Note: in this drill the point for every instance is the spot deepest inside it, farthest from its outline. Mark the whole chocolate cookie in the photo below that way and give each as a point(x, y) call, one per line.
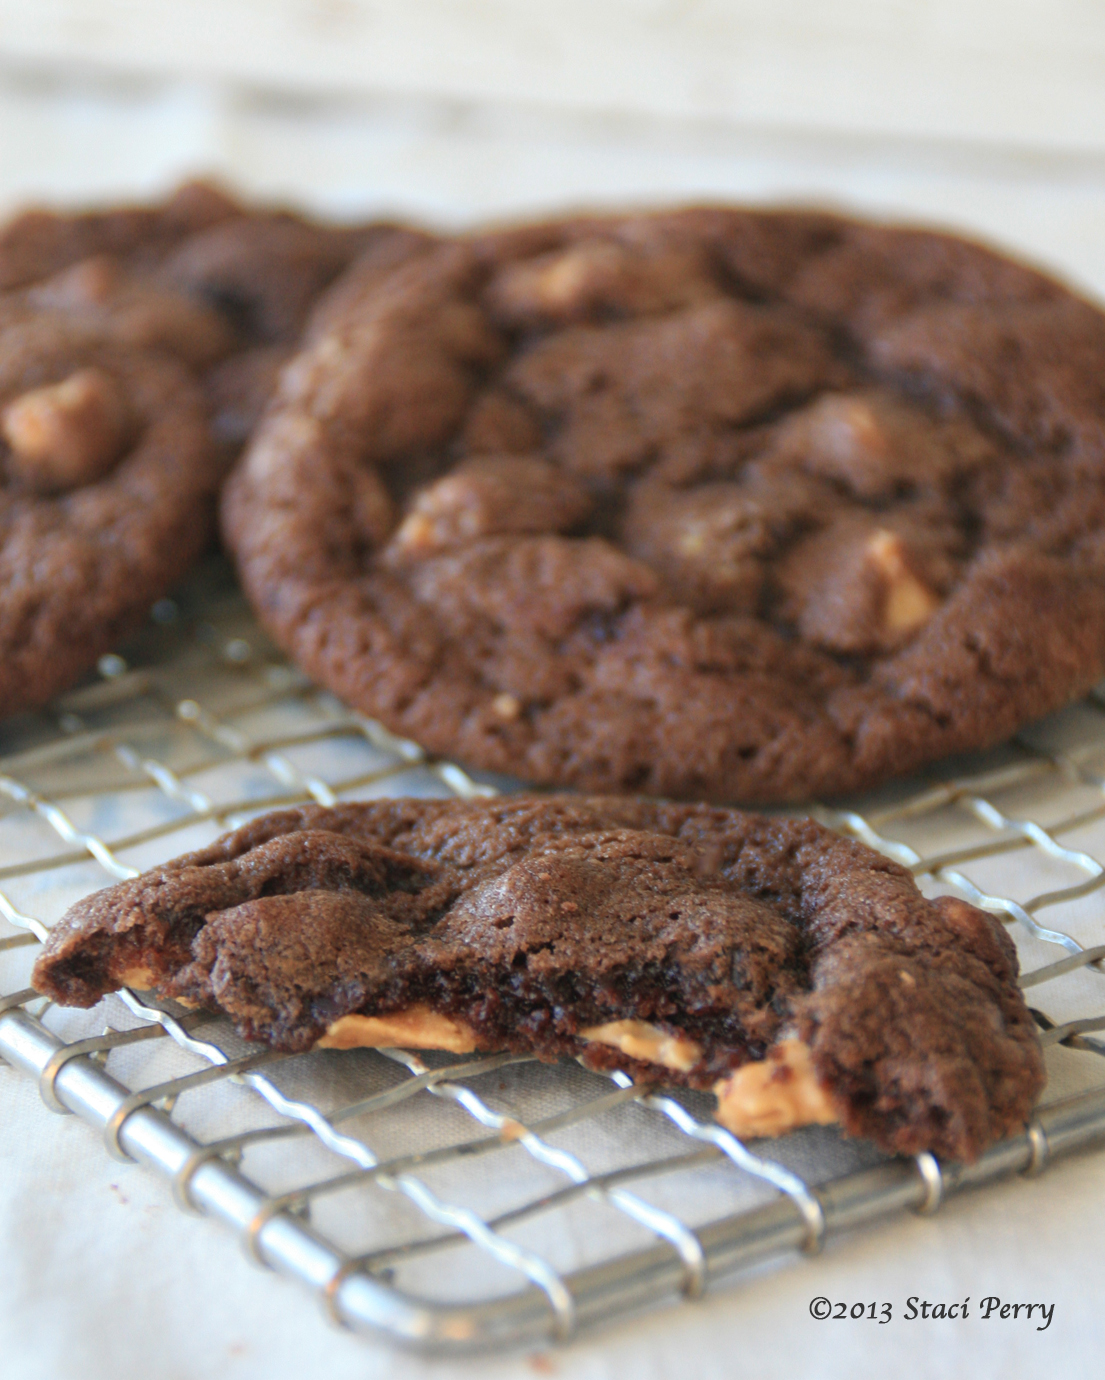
point(107, 496)
point(717, 504)
point(798, 974)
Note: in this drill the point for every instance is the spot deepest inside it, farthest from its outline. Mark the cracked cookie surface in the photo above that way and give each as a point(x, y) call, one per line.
point(713, 504)
point(799, 974)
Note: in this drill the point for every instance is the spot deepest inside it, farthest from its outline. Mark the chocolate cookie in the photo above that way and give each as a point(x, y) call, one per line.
point(38, 242)
point(260, 269)
point(107, 496)
point(203, 276)
point(798, 974)
point(715, 504)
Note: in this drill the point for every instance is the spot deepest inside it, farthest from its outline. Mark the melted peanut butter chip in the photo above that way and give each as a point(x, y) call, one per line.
point(775, 1094)
point(140, 976)
point(415, 1027)
point(640, 1040)
point(66, 434)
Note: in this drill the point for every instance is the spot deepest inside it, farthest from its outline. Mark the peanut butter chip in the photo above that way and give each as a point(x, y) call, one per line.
point(65, 434)
point(416, 534)
point(486, 496)
point(507, 706)
point(907, 603)
point(555, 283)
point(558, 284)
point(857, 426)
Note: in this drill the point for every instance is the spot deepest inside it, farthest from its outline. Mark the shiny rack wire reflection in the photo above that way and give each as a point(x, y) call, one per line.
point(452, 1204)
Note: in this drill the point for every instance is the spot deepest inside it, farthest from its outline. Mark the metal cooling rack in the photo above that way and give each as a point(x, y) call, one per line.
point(454, 1204)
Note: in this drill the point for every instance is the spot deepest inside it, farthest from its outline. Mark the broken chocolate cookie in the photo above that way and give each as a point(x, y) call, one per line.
point(796, 973)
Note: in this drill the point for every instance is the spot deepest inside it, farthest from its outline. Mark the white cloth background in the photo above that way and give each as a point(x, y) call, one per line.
point(983, 117)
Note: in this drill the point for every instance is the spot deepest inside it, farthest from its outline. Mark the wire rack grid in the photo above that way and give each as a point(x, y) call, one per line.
point(453, 1204)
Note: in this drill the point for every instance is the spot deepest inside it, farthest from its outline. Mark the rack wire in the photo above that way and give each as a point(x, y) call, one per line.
point(451, 1204)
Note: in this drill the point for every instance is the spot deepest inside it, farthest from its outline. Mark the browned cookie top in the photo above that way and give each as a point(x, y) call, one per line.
point(550, 925)
point(716, 503)
point(107, 487)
